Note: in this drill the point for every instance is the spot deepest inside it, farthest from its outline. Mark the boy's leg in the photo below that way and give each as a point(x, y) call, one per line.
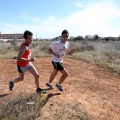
point(33, 71)
point(36, 75)
point(64, 76)
point(54, 73)
point(20, 78)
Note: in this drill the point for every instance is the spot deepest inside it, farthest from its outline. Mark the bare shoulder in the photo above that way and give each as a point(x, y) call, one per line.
point(23, 48)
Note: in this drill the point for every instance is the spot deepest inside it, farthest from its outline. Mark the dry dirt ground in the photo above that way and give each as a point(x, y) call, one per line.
point(90, 92)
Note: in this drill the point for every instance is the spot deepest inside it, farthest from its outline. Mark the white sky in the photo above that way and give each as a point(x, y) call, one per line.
point(88, 18)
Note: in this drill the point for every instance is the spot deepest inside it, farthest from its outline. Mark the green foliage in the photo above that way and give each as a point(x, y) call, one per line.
point(78, 38)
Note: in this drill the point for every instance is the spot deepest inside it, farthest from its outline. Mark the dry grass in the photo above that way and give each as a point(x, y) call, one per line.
point(103, 54)
point(8, 50)
point(16, 107)
point(100, 53)
point(40, 49)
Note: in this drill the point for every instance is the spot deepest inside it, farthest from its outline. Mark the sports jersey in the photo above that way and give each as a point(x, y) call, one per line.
point(26, 55)
point(59, 48)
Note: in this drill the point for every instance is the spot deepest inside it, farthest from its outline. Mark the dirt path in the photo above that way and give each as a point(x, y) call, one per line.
point(89, 90)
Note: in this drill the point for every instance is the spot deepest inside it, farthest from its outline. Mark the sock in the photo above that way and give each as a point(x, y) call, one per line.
point(58, 84)
point(38, 88)
point(49, 83)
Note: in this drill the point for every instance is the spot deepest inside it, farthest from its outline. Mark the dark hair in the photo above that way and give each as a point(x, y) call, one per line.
point(65, 32)
point(26, 33)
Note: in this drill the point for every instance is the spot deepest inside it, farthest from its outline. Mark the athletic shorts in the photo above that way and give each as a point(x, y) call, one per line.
point(22, 69)
point(58, 66)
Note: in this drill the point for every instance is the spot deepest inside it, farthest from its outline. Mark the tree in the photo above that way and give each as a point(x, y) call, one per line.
point(119, 38)
point(78, 38)
point(95, 37)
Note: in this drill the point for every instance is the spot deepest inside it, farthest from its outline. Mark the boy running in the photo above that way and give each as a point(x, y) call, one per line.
point(24, 62)
point(58, 51)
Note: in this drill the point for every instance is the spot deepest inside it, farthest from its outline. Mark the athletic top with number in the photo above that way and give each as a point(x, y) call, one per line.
point(59, 48)
point(26, 55)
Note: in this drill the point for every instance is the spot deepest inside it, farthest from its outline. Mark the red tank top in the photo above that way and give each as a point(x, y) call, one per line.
point(26, 55)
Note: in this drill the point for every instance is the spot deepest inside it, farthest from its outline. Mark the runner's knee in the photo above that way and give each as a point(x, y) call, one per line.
point(55, 73)
point(66, 74)
point(37, 76)
point(21, 78)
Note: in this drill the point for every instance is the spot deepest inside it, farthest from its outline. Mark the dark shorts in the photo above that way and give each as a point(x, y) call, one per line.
point(58, 66)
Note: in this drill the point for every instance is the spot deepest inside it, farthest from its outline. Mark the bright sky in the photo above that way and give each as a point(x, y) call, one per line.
point(47, 18)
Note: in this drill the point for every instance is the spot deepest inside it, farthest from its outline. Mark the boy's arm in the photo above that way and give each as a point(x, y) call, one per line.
point(69, 51)
point(51, 52)
point(21, 52)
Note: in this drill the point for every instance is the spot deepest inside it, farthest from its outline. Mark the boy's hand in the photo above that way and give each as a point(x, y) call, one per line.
point(73, 50)
point(33, 59)
point(57, 55)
